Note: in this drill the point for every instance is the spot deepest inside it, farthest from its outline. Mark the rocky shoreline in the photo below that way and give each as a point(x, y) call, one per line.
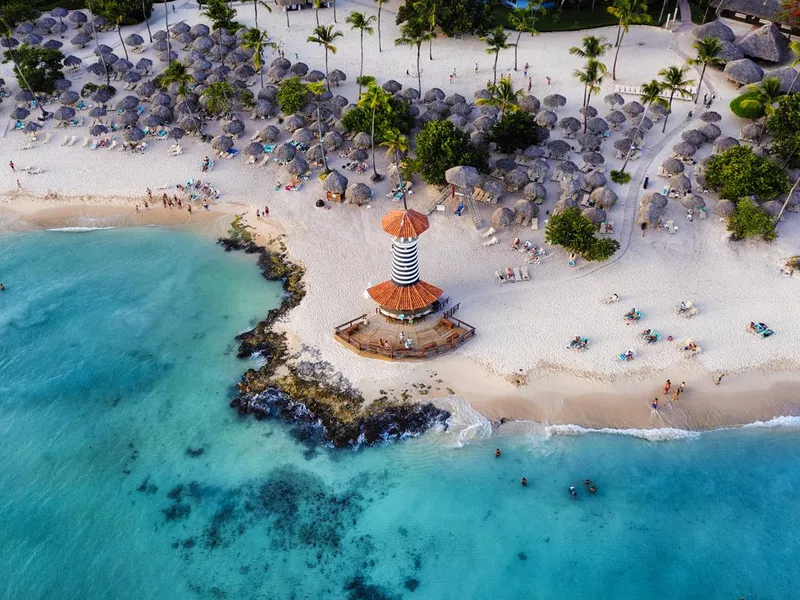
point(321, 411)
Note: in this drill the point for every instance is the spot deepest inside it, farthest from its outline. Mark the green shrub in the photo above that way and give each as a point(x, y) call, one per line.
point(129, 10)
point(784, 127)
point(454, 16)
point(516, 130)
point(575, 233)
point(747, 112)
point(739, 172)
point(41, 67)
point(620, 177)
point(292, 95)
point(440, 146)
point(749, 220)
point(398, 116)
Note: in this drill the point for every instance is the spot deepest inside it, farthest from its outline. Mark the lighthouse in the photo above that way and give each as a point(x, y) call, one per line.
point(405, 295)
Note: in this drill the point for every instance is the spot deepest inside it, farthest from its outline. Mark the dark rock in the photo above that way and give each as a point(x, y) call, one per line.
point(412, 584)
point(195, 452)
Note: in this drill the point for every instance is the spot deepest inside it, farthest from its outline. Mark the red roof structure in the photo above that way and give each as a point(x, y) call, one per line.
point(408, 298)
point(404, 223)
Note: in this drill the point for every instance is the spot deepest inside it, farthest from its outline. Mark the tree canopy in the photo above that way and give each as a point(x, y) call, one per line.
point(455, 16)
point(14, 12)
point(744, 109)
point(394, 115)
point(292, 95)
point(749, 220)
point(739, 172)
point(784, 127)
point(40, 67)
point(514, 131)
point(130, 11)
point(575, 233)
point(440, 146)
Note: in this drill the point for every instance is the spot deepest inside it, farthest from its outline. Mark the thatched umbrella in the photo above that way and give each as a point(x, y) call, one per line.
point(681, 184)
point(645, 124)
point(516, 180)
point(458, 121)
point(392, 86)
point(632, 108)
point(673, 166)
point(563, 204)
point(191, 124)
point(529, 104)
point(684, 149)
point(596, 125)
point(570, 188)
point(254, 149)
point(409, 94)
point(588, 112)
point(589, 142)
point(484, 123)
point(567, 168)
point(314, 76)
point(766, 43)
point(134, 134)
point(559, 149)
point(268, 92)
point(710, 116)
point(303, 136)
point(64, 113)
point(98, 112)
point(724, 208)
point(535, 192)
point(222, 143)
point(362, 140)
point(525, 211)
point(616, 118)
point(176, 133)
point(729, 52)
point(490, 111)
point(710, 131)
point(539, 169)
point(692, 202)
point(655, 199)
point(199, 29)
point(502, 217)
point(694, 137)
point(723, 144)
point(358, 193)
point(463, 177)
point(297, 166)
point(72, 61)
point(714, 29)
point(314, 153)
point(614, 100)
point(454, 99)
point(594, 180)
point(433, 94)
point(80, 40)
point(333, 140)
point(533, 152)
point(24, 96)
point(772, 207)
point(53, 45)
point(623, 145)
point(262, 109)
point(69, 97)
point(336, 77)
point(650, 214)
point(547, 119)
point(595, 215)
point(569, 124)
point(603, 197)
point(593, 158)
point(285, 152)
point(493, 186)
point(203, 43)
point(293, 123)
point(461, 110)
point(276, 74)
point(482, 94)
point(743, 71)
point(20, 114)
point(440, 107)
point(790, 82)
point(636, 137)
point(233, 127)
point(358, 154)
point(554, 101)
point(751, 131)
point(505, 164)
point(335, 183)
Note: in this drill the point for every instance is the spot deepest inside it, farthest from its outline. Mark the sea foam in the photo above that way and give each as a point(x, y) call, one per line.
point(654, 435)
point(79, 229)
point(465, 423)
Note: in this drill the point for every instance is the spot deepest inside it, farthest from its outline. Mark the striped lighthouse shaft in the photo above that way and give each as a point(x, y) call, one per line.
point(405, 262)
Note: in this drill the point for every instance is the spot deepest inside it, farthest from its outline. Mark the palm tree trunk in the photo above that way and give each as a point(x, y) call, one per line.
point(785, 202)
point(616, 56)
point(169, 45)
point(700, 83)
point(519, 35)
point(661, 14)
point(494, 68)
point(334, 11)
point(316, 13)
point(419, 74)
point(374, 108)
point(619, 31)
point(761, 133)
point(286, 10)
point(146, 22)
point(261, 73)
point(635, 135)
point(430, 49)
point(119, 32)
point(584, 98)
point(380, 7)
point(666, 117)
point(361, 69)
point(321, 145)
point(18, 71)
point(327, 80)
point(592, 5)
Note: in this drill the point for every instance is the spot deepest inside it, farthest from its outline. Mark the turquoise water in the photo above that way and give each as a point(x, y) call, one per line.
point(125, 474)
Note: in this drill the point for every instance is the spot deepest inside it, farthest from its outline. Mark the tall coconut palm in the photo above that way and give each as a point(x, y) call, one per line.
point(426, 13)
point(363, 24)
point(176, 73)
point(316, 89)
point(220, 97)
point(324, 35)
point(651, 94)
point(397, 147)
point(147, 21)
point(118, 21)
point(795, 47)
point(708, 50)
point(590, 77)
point(166, 28)
point(256, 4)
point(592, 47)
point(317, 5)
point(496, 40)
point(374, 98)
point(764, 95)
point(673, 80)
point(522, 20)
point(219, 12)
point(501, 95)
point(380, 8)
point(413, 34)
point(258, 41)
point(629, 12)
point(285, 4)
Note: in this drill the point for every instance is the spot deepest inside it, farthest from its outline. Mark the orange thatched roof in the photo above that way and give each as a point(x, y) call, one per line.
point(404, 223)
point(404, 297)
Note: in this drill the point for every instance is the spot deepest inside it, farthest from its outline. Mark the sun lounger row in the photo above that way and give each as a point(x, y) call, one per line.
point(512, 275)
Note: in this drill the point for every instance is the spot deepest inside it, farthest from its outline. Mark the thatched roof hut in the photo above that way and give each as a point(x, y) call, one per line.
point(358, 193)
point(743, 71)
point(673, 166)
point(714, 29)
point(464, 177)
point(559, 149)
point(724, 208)
point(392, 86)
point(651, 209)
point(535, 192)
point(766, 43)
point(516, 180)
point(530, 104)
point(525, 211)
point(681, 184)
point(772, 207)
point(692, 202)
point(335, 185)
point(604, 197)
point(595, 215)
point(790, 82)
point(729, 52)
point(502, 217)
point(723, 144)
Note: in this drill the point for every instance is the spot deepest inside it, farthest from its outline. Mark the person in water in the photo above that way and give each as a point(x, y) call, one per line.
point(573, 493)
point(497, 452)
point(590, 486)
point(2, 288)
point(524, 482)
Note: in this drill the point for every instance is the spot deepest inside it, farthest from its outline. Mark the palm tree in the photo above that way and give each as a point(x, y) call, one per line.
point(496, 40)
point(257, 41)
point(380, 8)
point(166, 26)
point(359, 21)
point(118, 20)
point(522, 20)
point(651, 94)
point(334, 11)
point(397, 147)
point(316, 89)
point(592, 47)
point(591, 78)
point(285, 4)
point(708, 50)
point(672, 81)
point(97, 46)
point(317, 5)
point(324, 35)
point(218, 12)
point(413, 33)
point(372, 99)
point(17, 71)
point(146, 21)
point(256, 4)
point(426, 13)
point(764, 95)
point(176, 73)
point(629, 12)
point(795, 47)
point(219, 96)
point(502, 95)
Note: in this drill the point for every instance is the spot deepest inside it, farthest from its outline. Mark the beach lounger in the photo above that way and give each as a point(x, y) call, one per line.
point(518, 274)
point(489, 242)
point(670, 226)
point(85, 142)
point(65, 140)
point(264, 161)
point(523, 271)
point(72, 140)
point(535, 223)
point(488, 233)
point(47, 138)
point(112, 145)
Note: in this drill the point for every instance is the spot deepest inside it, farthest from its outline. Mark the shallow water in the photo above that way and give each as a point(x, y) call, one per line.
point(126, 475)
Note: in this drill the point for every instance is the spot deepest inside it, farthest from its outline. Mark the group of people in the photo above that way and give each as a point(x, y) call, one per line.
point(590, 486)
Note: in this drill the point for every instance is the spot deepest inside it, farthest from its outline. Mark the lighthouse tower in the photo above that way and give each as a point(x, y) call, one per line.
point(405, 295)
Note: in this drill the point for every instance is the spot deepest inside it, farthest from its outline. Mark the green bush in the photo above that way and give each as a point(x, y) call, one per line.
point(784, 127)
point(398, 116)
point(575, 233)
point(292, 95)
point(516, 130)
point(440, 146)
point(620, 177)
point(749, 220)
point(41, 67)
point(129, 10)
point(747, 112)
point(739, 172)
point(14, 12)
point(454, 16)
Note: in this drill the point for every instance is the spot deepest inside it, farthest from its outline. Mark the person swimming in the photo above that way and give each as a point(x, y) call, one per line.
point(2, 288)
point(524, 482)
point(590, 486)
point(573, 493)
point(497, 452)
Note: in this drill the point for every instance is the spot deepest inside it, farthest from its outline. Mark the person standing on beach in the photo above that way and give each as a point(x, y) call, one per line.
point(667, 386)
point(149, 194)
point(682, 386)
point(655, 404)
point(19, 185)
point(530, 84)
point(13, 167)
point(644, 227)
point(266, 211)
point(476, 67)
point(525, 72)
point(189, 208)
point(548, 79)
point(719, 379)
point(676, 395)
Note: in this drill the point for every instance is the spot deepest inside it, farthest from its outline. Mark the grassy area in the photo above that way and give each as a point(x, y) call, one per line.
point(572, 19)
point(45, 5)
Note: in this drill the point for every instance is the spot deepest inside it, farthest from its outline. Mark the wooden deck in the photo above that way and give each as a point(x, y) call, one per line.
point(381, 337)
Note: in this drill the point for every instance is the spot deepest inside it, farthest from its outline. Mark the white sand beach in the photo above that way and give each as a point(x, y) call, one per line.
point(518, 365)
